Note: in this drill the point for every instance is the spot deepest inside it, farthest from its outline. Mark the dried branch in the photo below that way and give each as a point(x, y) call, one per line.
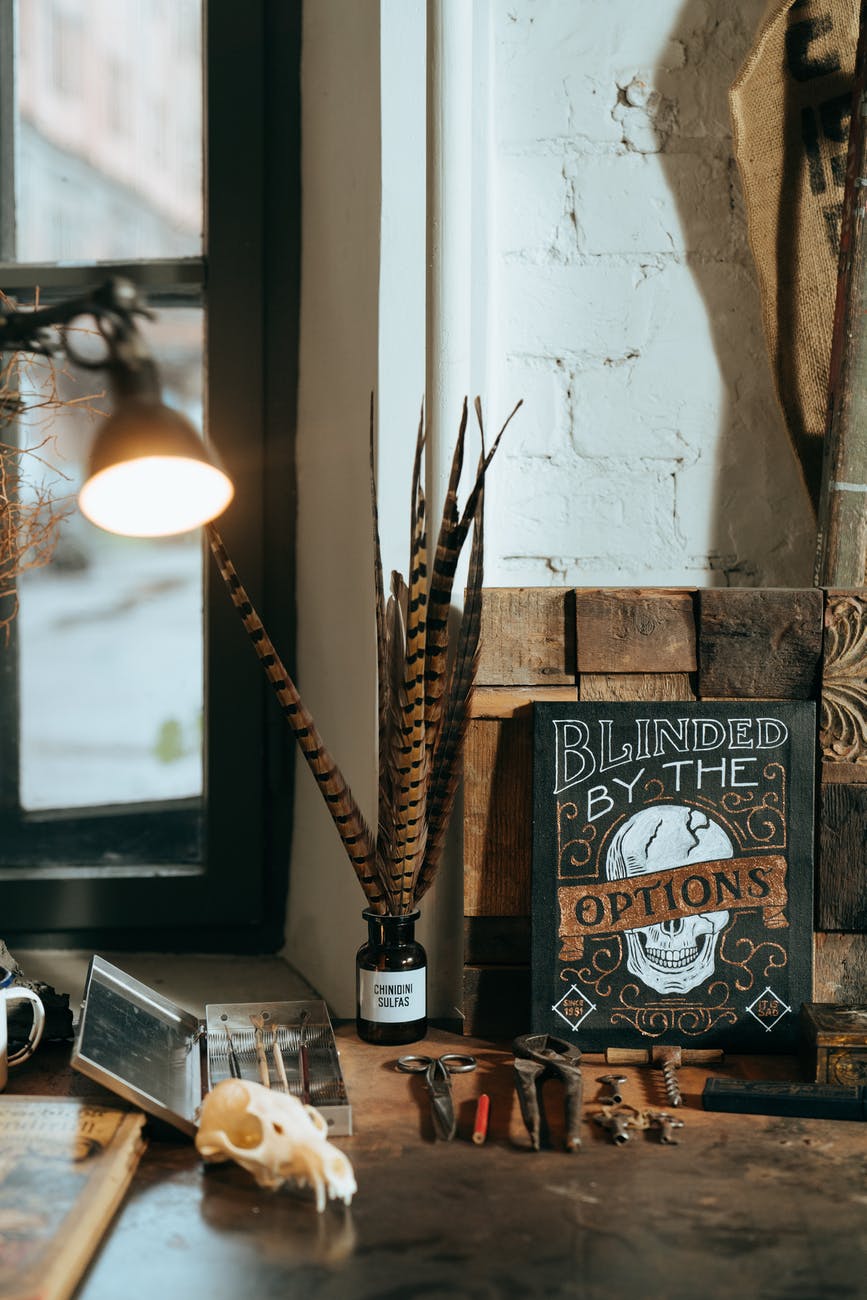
point(34, 496)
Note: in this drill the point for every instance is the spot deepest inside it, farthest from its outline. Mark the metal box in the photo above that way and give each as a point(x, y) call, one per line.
point(834, 1043)
point(161, 1058)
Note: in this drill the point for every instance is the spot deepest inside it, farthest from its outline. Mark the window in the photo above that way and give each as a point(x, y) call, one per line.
point(66, 41)
point(144, 773)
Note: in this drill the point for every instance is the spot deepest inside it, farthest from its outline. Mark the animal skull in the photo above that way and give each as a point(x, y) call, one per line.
point(672, 956)
point(275, 1137)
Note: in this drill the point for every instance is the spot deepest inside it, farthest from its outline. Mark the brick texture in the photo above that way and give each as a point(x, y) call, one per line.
point(650, 450)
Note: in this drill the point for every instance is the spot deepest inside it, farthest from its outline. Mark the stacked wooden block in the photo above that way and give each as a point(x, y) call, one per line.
point(657, 644)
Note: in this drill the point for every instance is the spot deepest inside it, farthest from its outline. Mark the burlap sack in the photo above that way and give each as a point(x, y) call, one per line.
point(790, 110)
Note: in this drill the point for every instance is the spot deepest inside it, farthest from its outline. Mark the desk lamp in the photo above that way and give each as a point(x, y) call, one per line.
point(149, 474)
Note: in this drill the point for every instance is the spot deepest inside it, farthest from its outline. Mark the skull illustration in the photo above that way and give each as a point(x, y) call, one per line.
point(275, 1138)
point(673, 956)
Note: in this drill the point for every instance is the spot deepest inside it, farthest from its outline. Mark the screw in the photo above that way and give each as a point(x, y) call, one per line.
point(666, 1124)
point(672, 1088)
point(613, 1082)
point(669, 1059)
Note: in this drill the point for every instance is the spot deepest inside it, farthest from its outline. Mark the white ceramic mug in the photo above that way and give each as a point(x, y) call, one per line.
point(9, 997)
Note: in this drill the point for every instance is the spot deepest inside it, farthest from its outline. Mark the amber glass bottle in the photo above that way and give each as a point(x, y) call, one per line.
point(391, 981)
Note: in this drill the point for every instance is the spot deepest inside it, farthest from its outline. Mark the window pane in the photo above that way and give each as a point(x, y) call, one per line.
point(109, 162)
point(110, 633)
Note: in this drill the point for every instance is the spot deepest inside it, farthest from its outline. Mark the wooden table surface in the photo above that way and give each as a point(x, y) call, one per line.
point(745, 1206)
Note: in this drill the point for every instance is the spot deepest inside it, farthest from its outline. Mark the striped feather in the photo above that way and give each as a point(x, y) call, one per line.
point(470, 507)
point(445, 771)
point(351, 826)
point(410, 796)
point(452, 535)
point(421, 724)
point(445, 563)
point(390, 780)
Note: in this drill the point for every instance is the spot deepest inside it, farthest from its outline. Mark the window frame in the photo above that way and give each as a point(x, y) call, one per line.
point(248, 281)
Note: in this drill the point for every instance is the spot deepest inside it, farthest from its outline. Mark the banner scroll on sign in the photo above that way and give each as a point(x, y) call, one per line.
point(663, 896)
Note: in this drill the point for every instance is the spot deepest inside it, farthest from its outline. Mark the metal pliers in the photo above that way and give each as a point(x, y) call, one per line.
point(539, 1057)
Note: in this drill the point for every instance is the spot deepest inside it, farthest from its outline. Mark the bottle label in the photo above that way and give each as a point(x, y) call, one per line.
point(390, 996)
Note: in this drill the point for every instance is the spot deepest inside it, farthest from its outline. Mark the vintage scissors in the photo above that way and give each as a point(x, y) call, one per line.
point(437, 1071)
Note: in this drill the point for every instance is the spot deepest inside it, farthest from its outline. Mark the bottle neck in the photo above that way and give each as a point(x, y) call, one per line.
point(385, 931)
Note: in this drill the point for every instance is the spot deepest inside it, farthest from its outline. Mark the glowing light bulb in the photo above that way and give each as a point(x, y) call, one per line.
point(155, 496)
point(151, 475)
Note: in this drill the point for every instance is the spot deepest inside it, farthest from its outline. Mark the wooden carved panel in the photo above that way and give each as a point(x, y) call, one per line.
point(843, 721)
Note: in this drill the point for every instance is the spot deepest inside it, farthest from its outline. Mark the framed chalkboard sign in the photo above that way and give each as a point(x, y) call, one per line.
point(673, 873)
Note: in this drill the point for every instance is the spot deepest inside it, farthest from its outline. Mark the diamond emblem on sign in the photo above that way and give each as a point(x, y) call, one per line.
point(573, 1007)
point(768, 1009)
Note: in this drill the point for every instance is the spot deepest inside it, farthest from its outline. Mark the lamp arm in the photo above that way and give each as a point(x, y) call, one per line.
point(145, 452)
point(114, 307)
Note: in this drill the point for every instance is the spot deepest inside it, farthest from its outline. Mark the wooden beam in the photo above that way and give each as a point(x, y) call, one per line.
point(841, 898)
point(610, 687)
point(759, 643)
point(527, 637)
point(841, 553)
point(496, 1001)
point(509, 701)
point(498, 816)
point(497, 939)
point(642, 630)
point(839, 968)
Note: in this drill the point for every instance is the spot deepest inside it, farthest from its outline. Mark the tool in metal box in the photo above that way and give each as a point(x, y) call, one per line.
point(163, 1059)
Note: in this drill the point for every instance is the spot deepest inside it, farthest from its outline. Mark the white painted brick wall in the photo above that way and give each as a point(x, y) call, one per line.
point(622, 308)
point(650, 449)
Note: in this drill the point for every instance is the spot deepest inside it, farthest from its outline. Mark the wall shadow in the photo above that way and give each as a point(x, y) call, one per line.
point(762, 529)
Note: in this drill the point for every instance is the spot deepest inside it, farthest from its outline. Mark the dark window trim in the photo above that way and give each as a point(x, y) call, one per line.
point(166, 281)
point(251, 282)
point(8, 99)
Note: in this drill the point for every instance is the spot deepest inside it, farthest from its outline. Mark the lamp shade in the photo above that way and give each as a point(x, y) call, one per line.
point(150, 474)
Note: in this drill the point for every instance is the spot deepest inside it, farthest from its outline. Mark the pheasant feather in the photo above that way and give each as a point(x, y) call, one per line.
point(351, 826)
point(410, 795)
point(394, 655)
point(452, 535)
point(439, 603)
point(422, 704)
point(444, 777)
